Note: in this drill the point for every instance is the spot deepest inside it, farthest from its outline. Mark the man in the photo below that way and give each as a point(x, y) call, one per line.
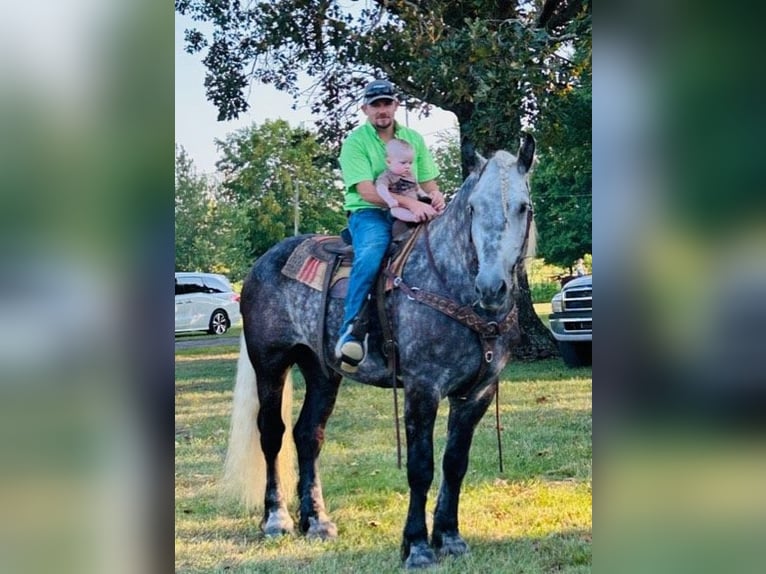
point(580, 267)
point(362, 159)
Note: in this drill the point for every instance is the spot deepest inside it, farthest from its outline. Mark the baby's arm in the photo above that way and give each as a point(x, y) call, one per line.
point(381, 185)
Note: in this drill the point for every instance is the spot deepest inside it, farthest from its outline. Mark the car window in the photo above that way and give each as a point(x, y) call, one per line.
point(189, 285)
point(216, 285)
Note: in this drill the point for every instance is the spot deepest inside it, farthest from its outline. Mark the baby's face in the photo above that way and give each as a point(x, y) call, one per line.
point(400, 165)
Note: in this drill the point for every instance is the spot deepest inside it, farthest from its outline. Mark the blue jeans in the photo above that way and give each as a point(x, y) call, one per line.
point(370, 235)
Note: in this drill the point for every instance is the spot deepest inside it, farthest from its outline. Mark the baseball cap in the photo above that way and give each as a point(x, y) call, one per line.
point(379, 90)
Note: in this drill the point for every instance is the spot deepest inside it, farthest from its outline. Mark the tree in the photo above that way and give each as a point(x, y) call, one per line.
point(492, 63)
point(486, 61)
point(563, 178)
point(205, 224)
point(194, 248)
point(265, 169)
point(447, 157)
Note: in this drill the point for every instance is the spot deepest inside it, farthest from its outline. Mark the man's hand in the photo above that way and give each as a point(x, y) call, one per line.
point(437, 200)
point(432, 189)
point(421, 211)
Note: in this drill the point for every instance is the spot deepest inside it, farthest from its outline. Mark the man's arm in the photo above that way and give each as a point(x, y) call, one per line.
point(421, 211)
point(368, 192)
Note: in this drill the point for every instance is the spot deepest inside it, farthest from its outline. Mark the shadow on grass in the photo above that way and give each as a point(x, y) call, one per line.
point(552, 369)
point(564, 551)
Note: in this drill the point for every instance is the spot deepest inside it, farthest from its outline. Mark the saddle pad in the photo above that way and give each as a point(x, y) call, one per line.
point(308, 262)
point(304, 266)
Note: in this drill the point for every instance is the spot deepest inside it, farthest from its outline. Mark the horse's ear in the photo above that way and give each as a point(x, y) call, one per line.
point(471, 159)
point(480, 161)
point(526, 153)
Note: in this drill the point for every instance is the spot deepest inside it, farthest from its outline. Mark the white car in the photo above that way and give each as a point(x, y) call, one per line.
point(205, 302)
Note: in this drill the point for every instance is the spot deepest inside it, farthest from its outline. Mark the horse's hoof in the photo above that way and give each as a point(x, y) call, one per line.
point(321, 529)
point(278, 524)
point(452, 545)
point(421, 556)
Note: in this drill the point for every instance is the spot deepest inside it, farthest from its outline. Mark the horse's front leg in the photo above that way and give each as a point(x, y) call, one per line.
point(419, 414)
point(321, 394)
point(463, 417)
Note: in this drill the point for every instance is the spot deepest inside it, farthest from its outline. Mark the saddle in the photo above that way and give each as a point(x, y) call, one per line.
point(321, 262)
point(324, 264)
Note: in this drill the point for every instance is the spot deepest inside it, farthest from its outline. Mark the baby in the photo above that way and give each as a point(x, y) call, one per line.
point(397, 179)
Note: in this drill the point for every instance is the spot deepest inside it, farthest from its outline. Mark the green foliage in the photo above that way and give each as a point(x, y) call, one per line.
point(264, 169)
point(206, 225)
point(491, 63)
point(446, 154)
point(195, 218)
point(543, 292)
point(541, 271)
point(562, 180)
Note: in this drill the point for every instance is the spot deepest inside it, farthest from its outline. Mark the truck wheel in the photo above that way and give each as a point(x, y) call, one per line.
point(576, 354)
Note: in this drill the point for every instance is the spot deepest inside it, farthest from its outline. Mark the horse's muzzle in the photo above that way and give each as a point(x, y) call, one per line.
point(493, 295)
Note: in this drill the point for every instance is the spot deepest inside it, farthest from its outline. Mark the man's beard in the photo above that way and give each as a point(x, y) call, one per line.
point(379, 123)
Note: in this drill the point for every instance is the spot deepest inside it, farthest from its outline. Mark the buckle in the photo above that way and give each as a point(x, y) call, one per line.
point(413, 289)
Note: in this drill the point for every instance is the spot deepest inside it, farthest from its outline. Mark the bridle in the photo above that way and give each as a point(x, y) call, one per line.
point(506, 222)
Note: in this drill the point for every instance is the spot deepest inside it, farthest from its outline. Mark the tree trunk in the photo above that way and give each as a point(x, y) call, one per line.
point(536, 339)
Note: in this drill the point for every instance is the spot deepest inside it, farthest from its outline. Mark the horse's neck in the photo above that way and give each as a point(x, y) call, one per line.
point(452, 253)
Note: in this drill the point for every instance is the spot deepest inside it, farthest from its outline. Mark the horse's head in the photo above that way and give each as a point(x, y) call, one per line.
point(501, 217)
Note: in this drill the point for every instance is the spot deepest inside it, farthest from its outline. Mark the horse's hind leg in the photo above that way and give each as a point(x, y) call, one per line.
point(321, 393)
point(463, 417)
point(271, 383)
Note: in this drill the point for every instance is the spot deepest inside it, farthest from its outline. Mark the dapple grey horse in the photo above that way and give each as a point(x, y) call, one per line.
point(465, 261)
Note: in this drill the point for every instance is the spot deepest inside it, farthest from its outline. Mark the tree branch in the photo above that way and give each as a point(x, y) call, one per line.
point(555, 13)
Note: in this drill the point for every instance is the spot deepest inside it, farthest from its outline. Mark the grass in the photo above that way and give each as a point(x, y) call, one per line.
point(534, 517)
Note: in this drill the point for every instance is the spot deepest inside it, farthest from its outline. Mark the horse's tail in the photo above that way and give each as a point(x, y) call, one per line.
point(245, 468)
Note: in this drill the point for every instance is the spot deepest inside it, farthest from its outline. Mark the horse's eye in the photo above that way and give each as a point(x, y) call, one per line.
point(523, 208)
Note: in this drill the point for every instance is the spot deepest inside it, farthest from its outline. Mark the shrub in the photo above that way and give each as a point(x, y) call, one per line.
point(543, 292)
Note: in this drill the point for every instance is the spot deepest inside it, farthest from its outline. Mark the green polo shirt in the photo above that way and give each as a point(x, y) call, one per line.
point(363, 158)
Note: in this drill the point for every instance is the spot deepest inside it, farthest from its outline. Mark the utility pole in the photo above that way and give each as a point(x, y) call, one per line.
point(296, 207)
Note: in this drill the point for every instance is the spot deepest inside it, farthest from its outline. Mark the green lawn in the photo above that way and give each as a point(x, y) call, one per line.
point(534, 517)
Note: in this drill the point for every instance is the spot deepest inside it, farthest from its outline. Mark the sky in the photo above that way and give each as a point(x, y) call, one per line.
point(195, 117)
